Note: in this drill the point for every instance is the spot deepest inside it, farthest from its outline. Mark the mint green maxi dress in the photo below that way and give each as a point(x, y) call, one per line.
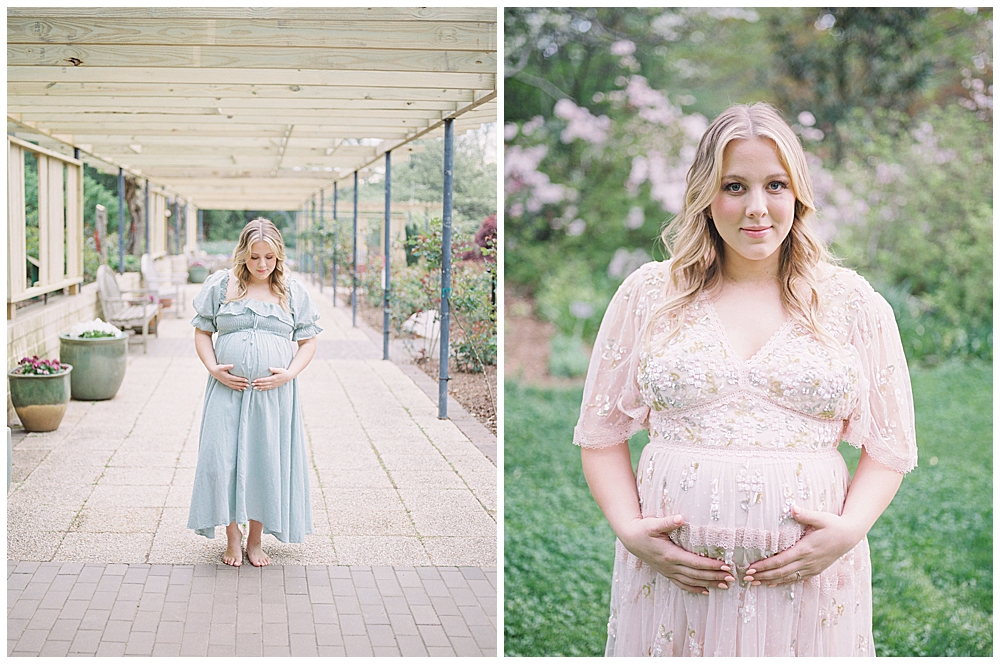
point(252, 454)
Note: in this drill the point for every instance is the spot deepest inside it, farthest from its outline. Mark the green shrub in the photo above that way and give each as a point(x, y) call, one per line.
point(567, 357)
point(924, 235)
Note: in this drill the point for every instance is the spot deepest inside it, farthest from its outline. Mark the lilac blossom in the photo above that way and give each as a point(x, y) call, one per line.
point(623, 47)
point(653, 105)
point(582, 124)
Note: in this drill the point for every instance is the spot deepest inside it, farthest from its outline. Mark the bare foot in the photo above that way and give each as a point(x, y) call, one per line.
point(234, 546)
point(256, 554)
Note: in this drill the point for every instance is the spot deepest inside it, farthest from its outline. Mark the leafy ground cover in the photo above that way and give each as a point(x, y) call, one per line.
point(932, 550)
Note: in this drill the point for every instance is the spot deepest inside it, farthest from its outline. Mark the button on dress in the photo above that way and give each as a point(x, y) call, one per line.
point(252, 460)
point(733, 444)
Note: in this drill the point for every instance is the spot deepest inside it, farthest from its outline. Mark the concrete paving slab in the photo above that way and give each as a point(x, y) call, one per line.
point(122, 520)
point(372, 550)
point(104, 547)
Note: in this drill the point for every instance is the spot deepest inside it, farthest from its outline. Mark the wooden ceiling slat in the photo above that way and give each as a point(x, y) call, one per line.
point(269, 33)
point(363, 117)
point(243, 57)
point(475, 14)
point(273, 93)
point(66, 73)
point(29, 103)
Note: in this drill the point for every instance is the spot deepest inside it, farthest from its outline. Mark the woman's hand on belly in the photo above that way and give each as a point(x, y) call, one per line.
point(221, 373)
point(278, 377)
point(827, 538)
point(647, 539)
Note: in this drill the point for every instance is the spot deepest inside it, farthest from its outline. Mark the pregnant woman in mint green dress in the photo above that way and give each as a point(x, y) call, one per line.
point(252, 462)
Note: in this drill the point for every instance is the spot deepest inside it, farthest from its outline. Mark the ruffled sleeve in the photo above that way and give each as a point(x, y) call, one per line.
point(613, 409)
point(207, 301)
point(883, 421)
point(304, 312)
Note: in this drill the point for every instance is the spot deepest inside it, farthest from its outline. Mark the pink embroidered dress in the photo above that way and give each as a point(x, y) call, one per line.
point(733, 444)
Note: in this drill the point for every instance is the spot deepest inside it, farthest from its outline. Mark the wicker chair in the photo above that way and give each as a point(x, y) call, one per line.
point(171, 288)
point(131, 313)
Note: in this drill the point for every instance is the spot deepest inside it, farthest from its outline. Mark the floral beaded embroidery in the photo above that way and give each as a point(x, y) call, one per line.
point(689, 476)
point(752, 488)
point(613, 352)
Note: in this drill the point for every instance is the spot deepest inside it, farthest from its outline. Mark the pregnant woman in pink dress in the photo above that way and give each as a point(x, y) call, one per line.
point(748, 356)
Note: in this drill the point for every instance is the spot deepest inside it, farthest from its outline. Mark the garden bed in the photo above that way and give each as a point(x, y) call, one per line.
point(471, 390)
point(477, 392)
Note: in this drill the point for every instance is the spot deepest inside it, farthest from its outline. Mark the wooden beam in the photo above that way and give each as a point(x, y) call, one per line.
point(66, 73)
point(239, 57)
point(50, 116)
point(45, 151)
point(475, 14)
point(219, 91)
point(269, 33)
point(123, 128)
point(30, 103)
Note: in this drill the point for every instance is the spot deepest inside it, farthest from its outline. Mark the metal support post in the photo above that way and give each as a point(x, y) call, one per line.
point(201, 226)
point(146, 230)
point(334, 265)
point(354, 259)
point(121, 221)
point(319, 240)
point(385, 286)
point(449, 157)
point(312, 242)
point(177, 226)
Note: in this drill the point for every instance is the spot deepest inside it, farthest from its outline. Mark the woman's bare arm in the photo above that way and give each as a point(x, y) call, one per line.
point(206, 352)
point(611, 480)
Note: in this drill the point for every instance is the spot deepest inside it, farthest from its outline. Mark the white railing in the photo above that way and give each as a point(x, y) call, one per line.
point(60, 224)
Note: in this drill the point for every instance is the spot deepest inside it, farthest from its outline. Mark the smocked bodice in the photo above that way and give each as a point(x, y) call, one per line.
point(795, 392)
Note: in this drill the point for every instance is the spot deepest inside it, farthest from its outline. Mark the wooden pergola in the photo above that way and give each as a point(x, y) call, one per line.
point(229, 108)
point(237, 108)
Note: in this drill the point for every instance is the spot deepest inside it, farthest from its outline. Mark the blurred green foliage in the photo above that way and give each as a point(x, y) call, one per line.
point(894, 107)
point(932, 552)
point(417, 287)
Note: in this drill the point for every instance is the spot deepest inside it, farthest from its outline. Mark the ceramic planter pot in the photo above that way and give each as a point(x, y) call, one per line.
point(98, 365)
point(40, 401)
point(197, 274)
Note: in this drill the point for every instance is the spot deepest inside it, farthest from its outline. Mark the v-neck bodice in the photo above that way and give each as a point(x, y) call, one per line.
point(713, 314)
point(793, 391)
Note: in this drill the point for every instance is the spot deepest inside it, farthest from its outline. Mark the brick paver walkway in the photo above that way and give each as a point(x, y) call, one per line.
point(59, 609)
point(402, 560)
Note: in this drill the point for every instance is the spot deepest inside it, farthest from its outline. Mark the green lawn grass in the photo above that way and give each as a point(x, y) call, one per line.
point(932, 550)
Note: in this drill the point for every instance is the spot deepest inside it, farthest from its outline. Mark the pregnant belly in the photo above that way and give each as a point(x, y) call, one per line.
point(253, 354)
point(736, 503)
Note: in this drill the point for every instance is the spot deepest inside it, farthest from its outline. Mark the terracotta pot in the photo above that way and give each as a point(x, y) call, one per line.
point(40, 401)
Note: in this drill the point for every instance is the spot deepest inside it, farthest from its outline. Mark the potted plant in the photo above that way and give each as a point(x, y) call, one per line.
point(99, 353)
point(197, 272)
point(40, 390)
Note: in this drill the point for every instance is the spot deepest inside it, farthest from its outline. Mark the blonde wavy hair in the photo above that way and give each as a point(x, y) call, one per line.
point(695, 246)
point(260, 230)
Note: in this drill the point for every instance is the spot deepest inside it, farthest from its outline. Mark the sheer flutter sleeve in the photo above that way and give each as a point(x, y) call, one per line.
point(883, 421)
point(304, 312)
point(206, 303)
point(613, 409)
